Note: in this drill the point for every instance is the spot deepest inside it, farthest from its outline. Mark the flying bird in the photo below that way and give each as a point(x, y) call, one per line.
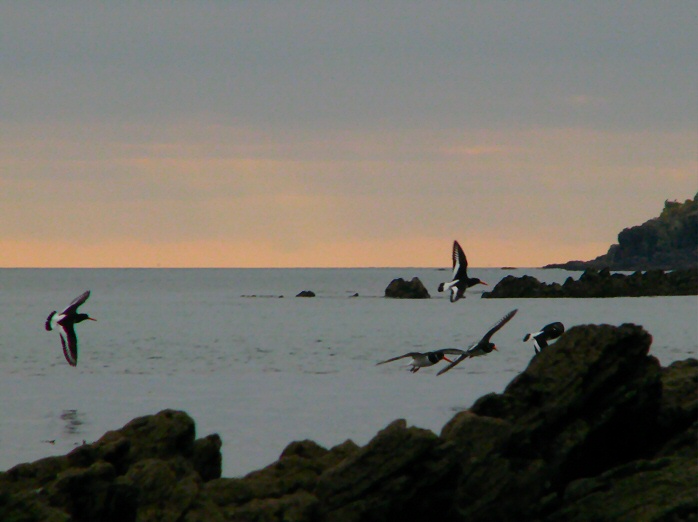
point(483, 346)
point(67, 320)
point(547, 333)
point(460, 281)
point(421, 360)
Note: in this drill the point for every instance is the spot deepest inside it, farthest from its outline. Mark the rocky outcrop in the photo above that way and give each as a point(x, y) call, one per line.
point(601, 283)
point(401, 289)
point(667, 242)
point(592, 429)
point(306, 293)
point(151, 469)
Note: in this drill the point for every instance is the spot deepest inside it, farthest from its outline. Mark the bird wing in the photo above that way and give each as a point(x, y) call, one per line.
point(451, 351)
point(460, 262)
point(484, 340)
point(504, 320)
point(71, 350)
point(73, 306)
point(444, 370)
point(410, 354)
point(453, 297)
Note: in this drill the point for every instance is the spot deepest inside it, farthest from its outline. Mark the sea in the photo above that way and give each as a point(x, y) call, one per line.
point(250, 361)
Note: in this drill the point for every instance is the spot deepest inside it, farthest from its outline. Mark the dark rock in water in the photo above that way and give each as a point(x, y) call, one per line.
point(592, 430)
point(601, 283)
point(401, 289)
point(306, 293)
point(524, 286)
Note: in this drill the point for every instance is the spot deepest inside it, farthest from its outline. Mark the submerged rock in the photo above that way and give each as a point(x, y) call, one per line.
point(306, 293)
point(401, 289)
point(593, 429)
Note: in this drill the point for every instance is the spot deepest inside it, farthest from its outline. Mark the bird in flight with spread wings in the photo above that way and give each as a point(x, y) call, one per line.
point(484, 345)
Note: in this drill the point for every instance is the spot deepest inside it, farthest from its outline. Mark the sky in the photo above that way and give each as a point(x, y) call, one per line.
point(340, 134)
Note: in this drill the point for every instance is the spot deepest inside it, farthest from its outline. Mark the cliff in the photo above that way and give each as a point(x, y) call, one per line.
point(593, 429)
point(667, 242)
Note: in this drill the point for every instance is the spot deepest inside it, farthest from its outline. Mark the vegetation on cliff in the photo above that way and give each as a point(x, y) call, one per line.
point(667, 242)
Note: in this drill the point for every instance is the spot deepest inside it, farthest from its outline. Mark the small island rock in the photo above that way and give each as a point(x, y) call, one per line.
point(401, 289)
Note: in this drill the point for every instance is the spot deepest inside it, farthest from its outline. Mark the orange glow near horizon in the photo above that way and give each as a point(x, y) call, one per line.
point(226, 197)
point(425, 253)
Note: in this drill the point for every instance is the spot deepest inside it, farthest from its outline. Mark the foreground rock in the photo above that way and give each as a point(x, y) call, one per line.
point(593, 429)
point(595, 283)
point(401, 289)
point(151, 469)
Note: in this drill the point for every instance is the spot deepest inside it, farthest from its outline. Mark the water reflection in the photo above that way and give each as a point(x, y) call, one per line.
point(73, 421)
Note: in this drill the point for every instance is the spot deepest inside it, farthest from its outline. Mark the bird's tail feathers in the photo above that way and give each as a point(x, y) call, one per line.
point(48, 321)
point(531, 336)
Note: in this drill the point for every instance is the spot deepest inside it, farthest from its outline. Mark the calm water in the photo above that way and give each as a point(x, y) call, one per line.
point(262, 370)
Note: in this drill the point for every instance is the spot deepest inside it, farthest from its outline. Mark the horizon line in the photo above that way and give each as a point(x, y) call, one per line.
point(506, 267)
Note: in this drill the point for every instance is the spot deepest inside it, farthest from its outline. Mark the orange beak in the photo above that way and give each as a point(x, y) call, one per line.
point(92, 319)
point(494, 348)
point(483, 283)
point(447, 359)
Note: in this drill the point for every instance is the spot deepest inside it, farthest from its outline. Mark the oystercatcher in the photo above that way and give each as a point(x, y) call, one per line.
point(67, 320)
point(460, 281)
point(421, 360)
point(483, 346)
point(547, 333)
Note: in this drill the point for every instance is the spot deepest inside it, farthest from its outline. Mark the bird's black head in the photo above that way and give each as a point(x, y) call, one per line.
point(83, 317)
point(472, 281)
point(489, 347)
point(435, 357)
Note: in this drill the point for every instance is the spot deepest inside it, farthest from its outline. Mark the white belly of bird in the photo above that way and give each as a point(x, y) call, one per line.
point(55, 319)
point(421, 362)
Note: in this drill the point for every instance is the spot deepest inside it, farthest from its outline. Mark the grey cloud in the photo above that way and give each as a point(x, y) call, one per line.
point(335, 65)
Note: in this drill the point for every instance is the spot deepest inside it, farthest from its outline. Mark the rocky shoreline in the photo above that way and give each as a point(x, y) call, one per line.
point(593, 429)
point(601, 283)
